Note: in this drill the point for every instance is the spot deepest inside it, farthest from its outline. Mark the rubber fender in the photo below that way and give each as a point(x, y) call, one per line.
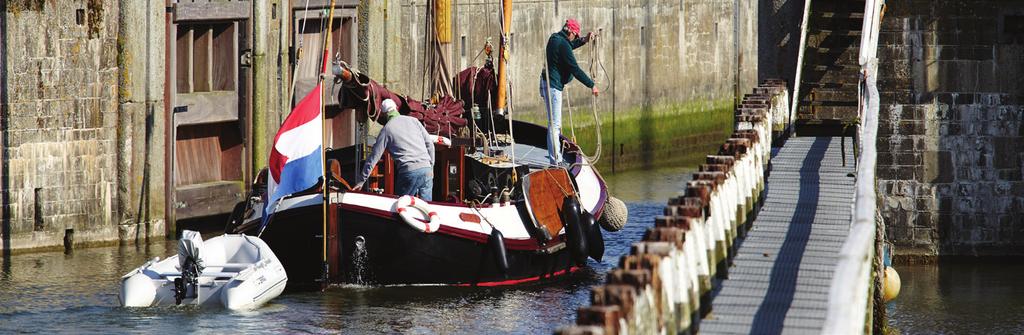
point(236, 218)
point(615, 215)
point(890, 284)
point(574, 234)
point(595, 241)
point(497, 243)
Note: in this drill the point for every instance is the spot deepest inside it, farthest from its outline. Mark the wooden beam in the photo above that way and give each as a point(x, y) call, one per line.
point(206, 11)
point(207, 107)
point(207, 199)
point(314, 4)
point(314, 14)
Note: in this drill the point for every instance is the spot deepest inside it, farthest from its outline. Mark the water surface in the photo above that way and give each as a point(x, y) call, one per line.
point(960, 298)
point(77, 293)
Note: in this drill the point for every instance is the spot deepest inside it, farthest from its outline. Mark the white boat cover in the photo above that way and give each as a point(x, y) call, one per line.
point(190, 246)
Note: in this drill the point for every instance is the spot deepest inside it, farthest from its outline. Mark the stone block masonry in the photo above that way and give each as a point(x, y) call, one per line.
point(664, 286)
point(654, 52)
point(61, 112)
point(951, 128)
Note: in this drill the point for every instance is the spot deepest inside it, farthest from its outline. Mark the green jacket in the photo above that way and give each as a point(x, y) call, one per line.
point(562, 62)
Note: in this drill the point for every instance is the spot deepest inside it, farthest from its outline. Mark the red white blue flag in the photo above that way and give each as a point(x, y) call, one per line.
point(295, 161)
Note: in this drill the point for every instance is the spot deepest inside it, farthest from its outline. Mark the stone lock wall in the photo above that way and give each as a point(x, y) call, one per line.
point(951, 127)
point(655, 52)
point(61, 110)
point(84, 131)
point(778, 39)
point(664, 285)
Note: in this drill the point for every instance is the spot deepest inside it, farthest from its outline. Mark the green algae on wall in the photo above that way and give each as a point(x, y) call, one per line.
point(662, 135)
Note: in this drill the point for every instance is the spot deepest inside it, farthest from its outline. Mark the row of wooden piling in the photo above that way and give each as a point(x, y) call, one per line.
point(778, 101)
point(664, 284)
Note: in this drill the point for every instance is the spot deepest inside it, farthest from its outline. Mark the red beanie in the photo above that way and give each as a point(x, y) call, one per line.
point(573, 26)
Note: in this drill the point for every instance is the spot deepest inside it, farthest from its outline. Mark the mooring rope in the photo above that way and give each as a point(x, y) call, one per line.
point(298, 54)
point(595, 59)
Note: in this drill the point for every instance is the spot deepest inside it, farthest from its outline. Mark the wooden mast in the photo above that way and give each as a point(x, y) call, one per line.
point(323, 139)
point(506, 24)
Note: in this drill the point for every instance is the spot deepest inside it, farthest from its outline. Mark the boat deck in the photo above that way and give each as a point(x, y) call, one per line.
point(534, 157)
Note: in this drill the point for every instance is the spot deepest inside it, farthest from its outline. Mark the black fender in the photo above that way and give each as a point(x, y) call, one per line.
point(595, 241)
point(237, 215)
point(497, 243)
point(575, 235)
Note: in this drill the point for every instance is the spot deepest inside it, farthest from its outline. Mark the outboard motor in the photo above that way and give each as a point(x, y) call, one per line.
point(190, 261)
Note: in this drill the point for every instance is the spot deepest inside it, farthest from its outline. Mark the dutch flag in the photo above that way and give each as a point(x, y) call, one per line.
point(295, 162)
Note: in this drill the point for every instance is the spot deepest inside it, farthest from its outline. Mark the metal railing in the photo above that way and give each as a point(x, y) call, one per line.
point(804, 25)
point(851, 284)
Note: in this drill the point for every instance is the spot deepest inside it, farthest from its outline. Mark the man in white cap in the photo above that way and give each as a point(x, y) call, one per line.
point(412, 149)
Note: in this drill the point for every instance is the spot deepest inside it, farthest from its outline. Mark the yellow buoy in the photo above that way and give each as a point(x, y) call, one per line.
point(890, 284)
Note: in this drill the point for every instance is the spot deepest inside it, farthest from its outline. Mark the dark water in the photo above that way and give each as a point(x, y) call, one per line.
point(960, 298)
point(77, 293)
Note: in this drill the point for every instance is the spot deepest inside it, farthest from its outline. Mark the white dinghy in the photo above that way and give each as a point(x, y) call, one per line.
point(236, 271)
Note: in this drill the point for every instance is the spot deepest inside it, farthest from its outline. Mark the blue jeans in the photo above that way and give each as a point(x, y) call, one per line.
point(419, 182)
point(554, 108)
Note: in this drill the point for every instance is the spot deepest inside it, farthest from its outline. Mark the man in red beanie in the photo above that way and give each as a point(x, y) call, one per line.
point(559, 70)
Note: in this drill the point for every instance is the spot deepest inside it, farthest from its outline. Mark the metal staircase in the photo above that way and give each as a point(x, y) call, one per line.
point(826, 100)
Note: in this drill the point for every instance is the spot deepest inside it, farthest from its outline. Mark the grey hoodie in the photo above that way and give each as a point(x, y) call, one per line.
point(410, 146)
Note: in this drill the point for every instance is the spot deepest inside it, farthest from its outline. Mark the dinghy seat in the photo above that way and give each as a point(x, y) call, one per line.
point(228, 270)
point(215, 275)
point(194, 257)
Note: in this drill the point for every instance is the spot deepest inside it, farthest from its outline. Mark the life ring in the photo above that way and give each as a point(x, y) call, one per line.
point(402, 208)
point(443, 141)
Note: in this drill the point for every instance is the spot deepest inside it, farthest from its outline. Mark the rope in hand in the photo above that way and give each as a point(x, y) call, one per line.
point(595, 60)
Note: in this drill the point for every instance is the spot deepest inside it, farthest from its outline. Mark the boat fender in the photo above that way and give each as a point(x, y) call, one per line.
point(615, 215)
point(595, 241)
point(574, 234)
point(237, 217)
point(497, 243)
point(402, 208)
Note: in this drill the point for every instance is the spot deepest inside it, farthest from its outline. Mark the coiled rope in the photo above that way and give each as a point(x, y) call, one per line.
point(595, 63)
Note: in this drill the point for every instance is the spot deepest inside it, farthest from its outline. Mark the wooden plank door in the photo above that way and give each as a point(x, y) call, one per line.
point(309, 27)
point(209, 93)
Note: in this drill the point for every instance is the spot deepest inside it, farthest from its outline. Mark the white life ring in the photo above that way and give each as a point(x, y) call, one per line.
point(444, 141)
point(402, 208)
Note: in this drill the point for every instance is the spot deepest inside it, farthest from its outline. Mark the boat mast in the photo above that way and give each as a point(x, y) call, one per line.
point(323, 138)
point(506, 25)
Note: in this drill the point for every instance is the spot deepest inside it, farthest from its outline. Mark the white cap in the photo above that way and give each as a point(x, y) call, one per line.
point(388, 106)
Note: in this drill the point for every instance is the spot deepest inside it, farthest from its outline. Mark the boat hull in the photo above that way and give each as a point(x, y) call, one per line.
point(375, 249)
point(368, 243)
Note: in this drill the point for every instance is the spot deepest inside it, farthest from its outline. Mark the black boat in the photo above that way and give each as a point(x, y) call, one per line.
point(547, 222)
point(505, 214)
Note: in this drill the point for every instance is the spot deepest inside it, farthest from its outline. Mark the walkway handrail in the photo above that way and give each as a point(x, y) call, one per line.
point(849, 294)
point(804, 24)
